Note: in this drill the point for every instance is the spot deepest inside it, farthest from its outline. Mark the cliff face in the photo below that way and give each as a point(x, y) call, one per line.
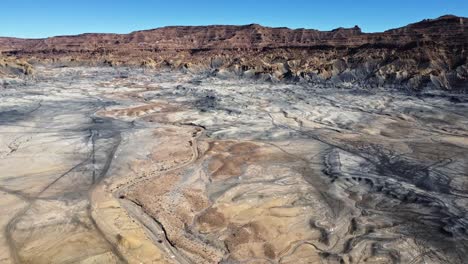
point(428, 53)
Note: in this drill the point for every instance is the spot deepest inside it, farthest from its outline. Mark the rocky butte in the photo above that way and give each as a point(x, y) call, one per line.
point(431, 53)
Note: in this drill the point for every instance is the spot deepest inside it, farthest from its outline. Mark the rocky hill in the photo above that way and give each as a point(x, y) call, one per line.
point(431, 53)
point(10, 66)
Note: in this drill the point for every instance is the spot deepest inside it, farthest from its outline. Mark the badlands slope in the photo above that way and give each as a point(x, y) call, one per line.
point(428, 54)
point(124, 165)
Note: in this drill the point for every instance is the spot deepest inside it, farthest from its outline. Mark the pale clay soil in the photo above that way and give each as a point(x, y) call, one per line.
point(116, 165)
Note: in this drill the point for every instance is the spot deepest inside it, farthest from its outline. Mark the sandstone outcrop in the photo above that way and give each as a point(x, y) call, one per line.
point(13, 67)
point(431, 53)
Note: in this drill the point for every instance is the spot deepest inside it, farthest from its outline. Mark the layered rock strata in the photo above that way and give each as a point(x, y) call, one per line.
point(430, 53)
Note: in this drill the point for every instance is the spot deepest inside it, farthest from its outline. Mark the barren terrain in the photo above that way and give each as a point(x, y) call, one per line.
point(431, 53)
point(120, 165)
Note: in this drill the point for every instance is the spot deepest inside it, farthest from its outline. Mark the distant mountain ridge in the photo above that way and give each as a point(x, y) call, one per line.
point(249, 36)
point(432, 50)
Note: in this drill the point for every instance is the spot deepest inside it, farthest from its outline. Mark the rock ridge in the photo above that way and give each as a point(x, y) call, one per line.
point(430, 53)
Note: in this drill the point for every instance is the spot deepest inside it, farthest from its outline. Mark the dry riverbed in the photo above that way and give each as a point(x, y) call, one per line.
point(116, 165)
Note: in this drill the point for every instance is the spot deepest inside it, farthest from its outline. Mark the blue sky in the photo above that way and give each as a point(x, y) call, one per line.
point(43, 18)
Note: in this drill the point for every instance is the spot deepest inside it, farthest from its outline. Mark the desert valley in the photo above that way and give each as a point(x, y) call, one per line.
point(236, 144)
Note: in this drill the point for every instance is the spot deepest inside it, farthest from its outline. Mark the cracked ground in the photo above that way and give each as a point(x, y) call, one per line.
point(120, 165)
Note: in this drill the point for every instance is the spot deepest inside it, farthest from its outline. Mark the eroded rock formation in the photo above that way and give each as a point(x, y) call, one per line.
point(10, 66)
point(122, 165)
point(430, 53)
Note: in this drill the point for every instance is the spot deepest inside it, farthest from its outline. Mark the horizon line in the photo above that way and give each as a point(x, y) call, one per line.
point(234, 25)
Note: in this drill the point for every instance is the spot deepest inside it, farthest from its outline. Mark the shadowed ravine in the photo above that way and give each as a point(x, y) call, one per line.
point(120, 165)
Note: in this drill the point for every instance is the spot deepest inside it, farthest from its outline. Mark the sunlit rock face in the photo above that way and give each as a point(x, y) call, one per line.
point(121, 165)
point(12, 67)
point(428, 54)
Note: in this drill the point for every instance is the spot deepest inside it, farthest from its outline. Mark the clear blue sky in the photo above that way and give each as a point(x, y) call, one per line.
point(43, 18)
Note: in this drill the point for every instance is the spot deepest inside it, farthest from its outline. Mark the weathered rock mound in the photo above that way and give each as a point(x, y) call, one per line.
point(430, 53)
point(10, 66)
